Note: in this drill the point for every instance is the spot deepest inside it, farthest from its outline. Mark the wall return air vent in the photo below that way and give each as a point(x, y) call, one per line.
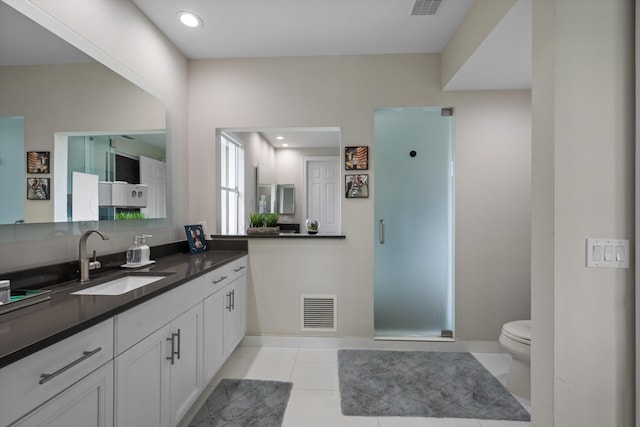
point(319, 313)
point(426, 7)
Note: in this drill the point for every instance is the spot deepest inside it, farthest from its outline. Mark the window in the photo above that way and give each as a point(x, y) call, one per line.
point(231, 185)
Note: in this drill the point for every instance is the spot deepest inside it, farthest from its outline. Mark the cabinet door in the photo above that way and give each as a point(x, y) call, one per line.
point(142, 380)
point(241, 303)
point(234, 321)
point(185, 370)
point(213, 333)
point(87, 403)
point(22, 387)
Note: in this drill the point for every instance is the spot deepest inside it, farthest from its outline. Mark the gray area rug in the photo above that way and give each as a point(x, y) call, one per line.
point(422, 384)
point(238, 403)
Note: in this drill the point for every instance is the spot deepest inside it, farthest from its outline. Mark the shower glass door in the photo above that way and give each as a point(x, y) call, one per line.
point(414, 205)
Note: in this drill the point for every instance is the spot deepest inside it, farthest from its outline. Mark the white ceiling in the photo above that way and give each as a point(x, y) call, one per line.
point(275, 28)
point(267, 28)
point(271, 28)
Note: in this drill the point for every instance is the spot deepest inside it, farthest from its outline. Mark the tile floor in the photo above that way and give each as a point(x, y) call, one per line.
point(315, 398)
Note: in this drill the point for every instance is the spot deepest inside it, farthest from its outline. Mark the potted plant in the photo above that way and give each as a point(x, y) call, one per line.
point(263, 223)
point(119, 216)
point(256, 219)
point(271, 219)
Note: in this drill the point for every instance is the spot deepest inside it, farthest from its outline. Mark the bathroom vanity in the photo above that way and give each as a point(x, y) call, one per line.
point(139, 358)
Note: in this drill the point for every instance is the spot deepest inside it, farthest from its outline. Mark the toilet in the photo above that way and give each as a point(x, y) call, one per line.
point(515, 339)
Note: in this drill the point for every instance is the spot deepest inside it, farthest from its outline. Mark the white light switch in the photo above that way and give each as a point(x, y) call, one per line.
point(611, 253)
point(608, 253)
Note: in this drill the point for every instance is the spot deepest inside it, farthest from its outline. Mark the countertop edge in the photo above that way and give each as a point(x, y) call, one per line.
point(300, 236)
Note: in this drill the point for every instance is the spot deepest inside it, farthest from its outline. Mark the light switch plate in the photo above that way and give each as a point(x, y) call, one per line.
point(608, 253)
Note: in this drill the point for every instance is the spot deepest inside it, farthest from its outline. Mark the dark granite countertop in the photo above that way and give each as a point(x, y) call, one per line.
point(278, 236)
point(29, 329)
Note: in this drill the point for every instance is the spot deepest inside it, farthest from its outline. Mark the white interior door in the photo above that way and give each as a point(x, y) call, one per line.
point(323, 193)
point(153, 174)
point(84, 206)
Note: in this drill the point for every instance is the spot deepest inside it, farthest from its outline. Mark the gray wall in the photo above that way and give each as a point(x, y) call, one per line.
point(493, 134)
point(583, 186)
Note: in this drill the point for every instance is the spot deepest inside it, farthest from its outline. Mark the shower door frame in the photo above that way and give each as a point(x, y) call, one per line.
point(379, 234)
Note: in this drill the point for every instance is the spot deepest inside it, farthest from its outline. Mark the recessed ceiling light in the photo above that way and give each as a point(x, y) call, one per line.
point(285, 145)
point(280, 137)
point(189, 19)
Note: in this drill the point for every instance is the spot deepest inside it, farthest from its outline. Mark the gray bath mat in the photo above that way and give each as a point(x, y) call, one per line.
point(422, 384)
point(239, 403)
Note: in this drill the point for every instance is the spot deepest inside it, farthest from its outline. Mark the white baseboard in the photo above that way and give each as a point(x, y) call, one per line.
point(471, 346)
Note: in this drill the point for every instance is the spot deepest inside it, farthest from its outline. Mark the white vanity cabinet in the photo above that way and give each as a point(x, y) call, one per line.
point(158, 378)
point(235, 325)
point(170, 347)
point(68, 383)
point(213, 334)
point(158, 359)
point(146, 366)
point(224, 314)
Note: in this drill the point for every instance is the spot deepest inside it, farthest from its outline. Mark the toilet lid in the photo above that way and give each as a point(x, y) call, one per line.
point(519, 331)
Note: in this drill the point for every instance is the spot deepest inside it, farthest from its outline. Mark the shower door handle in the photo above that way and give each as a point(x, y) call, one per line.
point(382, 231)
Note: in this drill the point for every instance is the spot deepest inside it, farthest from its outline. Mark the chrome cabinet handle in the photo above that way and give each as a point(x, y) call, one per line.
point(179, 343)
point(239, 268)
point(174, 352)
point(215, 282)
point(85, 355)
point(233, 299)
point(173, 349)
point(382, 231)
point(229, 306)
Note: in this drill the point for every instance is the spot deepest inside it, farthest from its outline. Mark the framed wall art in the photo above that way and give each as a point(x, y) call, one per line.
point(356, 186)
point(356, 158)
point(38, 162)
point(38, 189)
point(196, 238)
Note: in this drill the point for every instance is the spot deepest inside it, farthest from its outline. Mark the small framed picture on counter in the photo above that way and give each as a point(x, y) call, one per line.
point(196, 238)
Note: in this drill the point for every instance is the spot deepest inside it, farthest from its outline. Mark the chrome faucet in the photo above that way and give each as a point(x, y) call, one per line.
point(85, 264)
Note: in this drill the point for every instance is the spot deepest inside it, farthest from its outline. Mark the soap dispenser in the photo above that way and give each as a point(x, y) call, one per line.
point(134, 253)
point(145, 252)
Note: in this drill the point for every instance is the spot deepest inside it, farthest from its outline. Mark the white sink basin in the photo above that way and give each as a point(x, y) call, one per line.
point(119, 286)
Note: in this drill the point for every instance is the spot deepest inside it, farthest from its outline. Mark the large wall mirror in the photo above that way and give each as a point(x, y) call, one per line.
point(280, 166)
point(73, 132)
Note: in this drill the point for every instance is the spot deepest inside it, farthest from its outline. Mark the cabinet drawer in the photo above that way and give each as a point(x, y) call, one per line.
point(133, 325)
point(66, 362)
point(88, 403)
point(220, 277)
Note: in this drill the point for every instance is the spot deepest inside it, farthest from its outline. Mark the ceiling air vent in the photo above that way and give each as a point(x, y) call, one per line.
point(319, 313)
point(426, 7)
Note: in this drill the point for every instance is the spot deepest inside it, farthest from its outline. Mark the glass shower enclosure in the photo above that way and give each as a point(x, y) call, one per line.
point(414, 232)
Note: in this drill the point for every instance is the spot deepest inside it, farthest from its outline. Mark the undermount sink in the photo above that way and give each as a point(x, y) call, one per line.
point(121, 285)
